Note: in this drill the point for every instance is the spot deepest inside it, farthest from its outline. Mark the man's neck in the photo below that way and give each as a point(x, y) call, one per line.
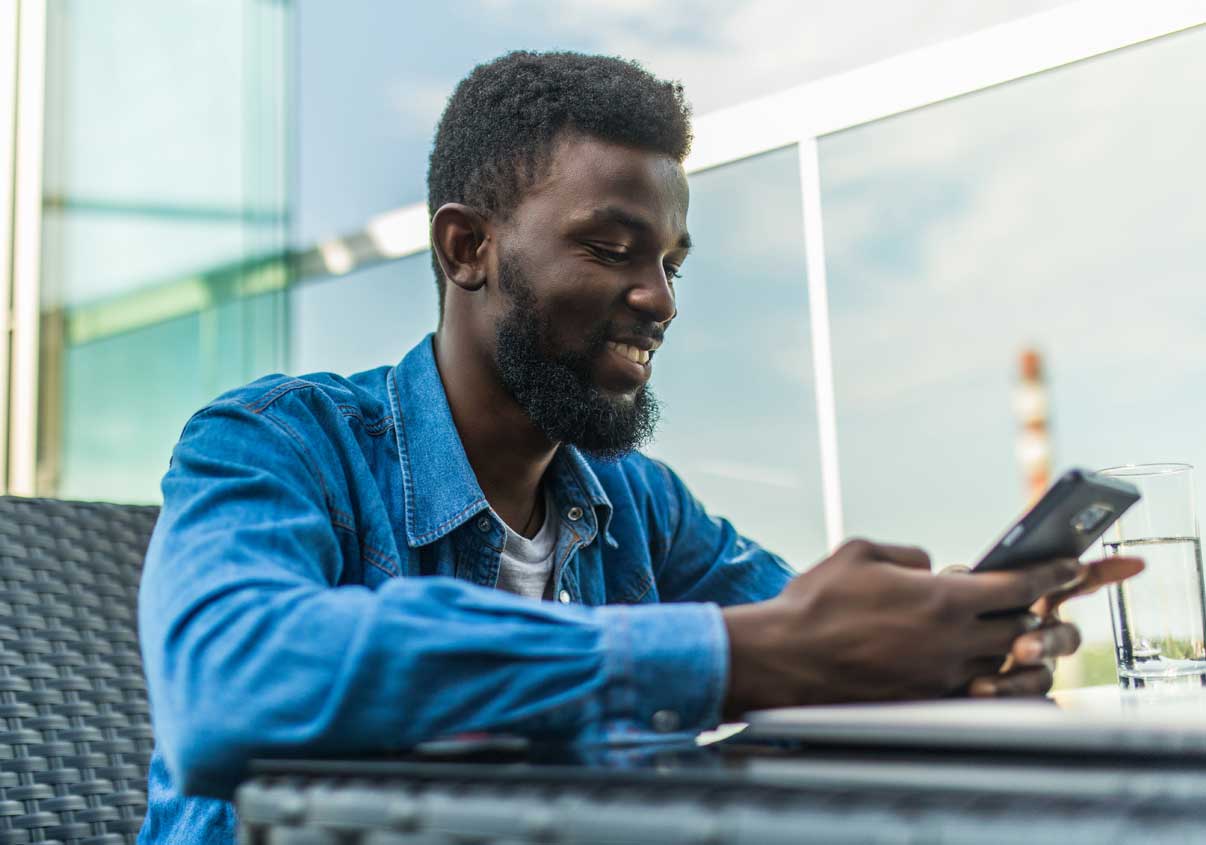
point(509, 455)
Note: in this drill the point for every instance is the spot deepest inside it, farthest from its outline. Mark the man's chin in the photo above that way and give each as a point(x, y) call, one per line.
point(625, 424)
point(616, 375)
point(618, 386)
point(622, 398)
point(583, 400)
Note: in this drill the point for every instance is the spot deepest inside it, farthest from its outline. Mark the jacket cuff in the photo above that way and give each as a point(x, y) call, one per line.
point(665, 669)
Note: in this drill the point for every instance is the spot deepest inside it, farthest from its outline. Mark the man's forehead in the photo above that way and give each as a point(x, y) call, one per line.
point(588, 178)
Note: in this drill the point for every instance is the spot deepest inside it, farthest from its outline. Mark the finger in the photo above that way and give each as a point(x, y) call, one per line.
point(1094, 576)
point(984, 666)
point(997, 636)
point(985, 592)
point(1058, 639)
point(1028, 680)
point(909, 556)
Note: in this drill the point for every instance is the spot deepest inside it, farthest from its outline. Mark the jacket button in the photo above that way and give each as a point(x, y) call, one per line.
point(665, 721)
point(574, 514)
point(483, 524)
point(564, 597)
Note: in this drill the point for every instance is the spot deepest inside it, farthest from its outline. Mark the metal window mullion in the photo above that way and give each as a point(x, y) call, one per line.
point(27, 248)
point(822, 348)
point(1060, 36)
point(8, 118)
point(1010, 51)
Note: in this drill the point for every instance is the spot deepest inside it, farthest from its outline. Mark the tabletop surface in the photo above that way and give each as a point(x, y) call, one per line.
point(734, 787)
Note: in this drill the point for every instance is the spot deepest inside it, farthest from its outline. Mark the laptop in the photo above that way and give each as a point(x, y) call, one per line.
point(1099, 721)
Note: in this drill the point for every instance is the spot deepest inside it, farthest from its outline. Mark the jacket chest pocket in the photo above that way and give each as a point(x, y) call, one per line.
point(639, 589)
point(612, 578)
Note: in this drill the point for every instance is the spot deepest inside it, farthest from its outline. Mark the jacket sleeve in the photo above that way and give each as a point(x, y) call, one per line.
point(250, 649)
point(707, 560)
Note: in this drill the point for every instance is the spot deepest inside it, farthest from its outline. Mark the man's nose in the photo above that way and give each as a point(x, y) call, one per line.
point(653, 296)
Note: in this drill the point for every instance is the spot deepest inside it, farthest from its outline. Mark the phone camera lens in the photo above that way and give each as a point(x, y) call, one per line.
point(1091, 518)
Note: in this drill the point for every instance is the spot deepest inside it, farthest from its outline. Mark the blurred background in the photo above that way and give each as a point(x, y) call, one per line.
point(960, 248)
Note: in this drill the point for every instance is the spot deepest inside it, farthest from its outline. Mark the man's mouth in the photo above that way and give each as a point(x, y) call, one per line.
point(632, 353)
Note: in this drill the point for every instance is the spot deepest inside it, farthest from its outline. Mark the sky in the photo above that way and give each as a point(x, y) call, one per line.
point(374, 76)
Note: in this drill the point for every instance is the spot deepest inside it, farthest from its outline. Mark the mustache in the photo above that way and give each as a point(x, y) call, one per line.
point(654, 331)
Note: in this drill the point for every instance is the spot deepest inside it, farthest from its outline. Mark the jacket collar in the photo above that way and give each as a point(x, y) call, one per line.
point(441, 489)
point(575, 479)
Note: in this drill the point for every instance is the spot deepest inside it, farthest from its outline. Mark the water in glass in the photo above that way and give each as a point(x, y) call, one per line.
point(1159, 616)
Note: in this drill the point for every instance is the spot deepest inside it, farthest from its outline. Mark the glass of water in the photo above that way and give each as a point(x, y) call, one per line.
point(1159, 615)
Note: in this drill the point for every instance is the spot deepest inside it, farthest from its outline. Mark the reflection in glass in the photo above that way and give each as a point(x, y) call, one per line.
point(127, 396)
point(362, 320)
point(735, 374)
point(1064, 211)
point(164, 229)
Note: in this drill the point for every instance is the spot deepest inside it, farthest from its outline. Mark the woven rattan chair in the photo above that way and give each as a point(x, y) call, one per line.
point(75, 731)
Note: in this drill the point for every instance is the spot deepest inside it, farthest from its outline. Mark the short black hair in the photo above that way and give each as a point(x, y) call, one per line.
point(498, 129)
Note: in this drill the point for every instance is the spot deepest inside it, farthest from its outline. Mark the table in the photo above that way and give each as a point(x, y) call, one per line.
point(739, 790)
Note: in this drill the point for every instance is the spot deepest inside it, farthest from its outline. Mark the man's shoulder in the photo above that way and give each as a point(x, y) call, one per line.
point(364, 394)
point(321, 416)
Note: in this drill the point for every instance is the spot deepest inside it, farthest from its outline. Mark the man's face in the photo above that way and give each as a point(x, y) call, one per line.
point(585, 270)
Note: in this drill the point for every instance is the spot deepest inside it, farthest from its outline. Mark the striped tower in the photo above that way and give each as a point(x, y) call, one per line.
point(1034, 442)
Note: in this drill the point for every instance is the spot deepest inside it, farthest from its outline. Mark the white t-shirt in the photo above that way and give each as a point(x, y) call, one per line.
point(526, 566)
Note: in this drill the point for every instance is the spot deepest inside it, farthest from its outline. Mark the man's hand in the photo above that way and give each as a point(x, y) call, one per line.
point(872, 623)
point(1028, 669)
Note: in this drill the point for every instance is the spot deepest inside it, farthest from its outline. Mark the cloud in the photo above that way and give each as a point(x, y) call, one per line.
point(727, 52)
point(747, 472)
point(1073, 221)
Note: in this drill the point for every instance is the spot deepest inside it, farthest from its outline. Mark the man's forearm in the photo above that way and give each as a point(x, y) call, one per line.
point(306, 671)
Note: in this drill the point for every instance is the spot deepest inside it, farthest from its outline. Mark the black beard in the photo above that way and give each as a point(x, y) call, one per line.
point(555, 388)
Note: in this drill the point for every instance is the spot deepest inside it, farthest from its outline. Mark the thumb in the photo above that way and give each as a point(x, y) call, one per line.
point(1093, 576)
point(908, 556)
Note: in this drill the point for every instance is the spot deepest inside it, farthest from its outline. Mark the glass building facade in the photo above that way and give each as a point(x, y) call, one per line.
point(164, 225)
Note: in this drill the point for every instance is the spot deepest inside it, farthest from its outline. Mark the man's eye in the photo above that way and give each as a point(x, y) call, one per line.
point(611, 256)
point(672, 272)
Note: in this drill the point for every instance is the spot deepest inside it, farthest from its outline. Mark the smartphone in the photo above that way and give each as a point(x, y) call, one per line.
point(1077, 510)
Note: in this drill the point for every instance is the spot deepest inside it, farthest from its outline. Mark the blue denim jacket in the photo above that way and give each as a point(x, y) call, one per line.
point(320, 582)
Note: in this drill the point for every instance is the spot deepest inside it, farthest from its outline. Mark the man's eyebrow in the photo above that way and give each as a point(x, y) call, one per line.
point(619, 216)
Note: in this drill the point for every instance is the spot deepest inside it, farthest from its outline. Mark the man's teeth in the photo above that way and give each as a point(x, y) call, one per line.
point(636, 356)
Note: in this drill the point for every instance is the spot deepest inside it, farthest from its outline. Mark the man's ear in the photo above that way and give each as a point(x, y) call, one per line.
point(459, 238)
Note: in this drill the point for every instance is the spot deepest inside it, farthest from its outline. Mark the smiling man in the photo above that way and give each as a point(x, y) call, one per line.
point(352, 566)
